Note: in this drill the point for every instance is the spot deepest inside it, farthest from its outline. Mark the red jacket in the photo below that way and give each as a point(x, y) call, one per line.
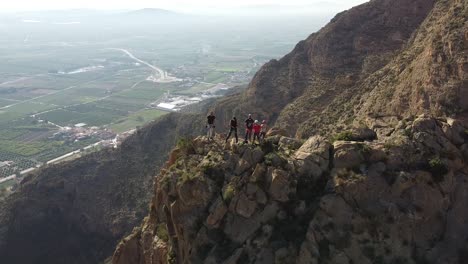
point(257, 128)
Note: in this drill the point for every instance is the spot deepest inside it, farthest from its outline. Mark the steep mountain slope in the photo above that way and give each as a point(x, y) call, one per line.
point(75, 212)
point(391, 76)
point(327, 68)
point(430, 74)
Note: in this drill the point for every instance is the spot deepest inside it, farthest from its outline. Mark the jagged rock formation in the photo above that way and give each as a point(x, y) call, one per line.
point(76, 212)
point(377, 173)
point(397, 199)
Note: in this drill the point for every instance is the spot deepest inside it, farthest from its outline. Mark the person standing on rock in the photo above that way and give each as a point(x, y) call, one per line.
point(256, 131)
point(210, 125)
point(248, 128)
point(263, 130)
point(233, 129)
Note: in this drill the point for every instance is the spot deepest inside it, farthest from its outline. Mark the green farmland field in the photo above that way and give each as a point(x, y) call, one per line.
point(136, 119)
point(53, 77)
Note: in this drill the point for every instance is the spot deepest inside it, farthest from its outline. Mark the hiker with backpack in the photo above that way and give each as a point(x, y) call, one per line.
point(233, 129)
point(210, 125)
point(248, 128)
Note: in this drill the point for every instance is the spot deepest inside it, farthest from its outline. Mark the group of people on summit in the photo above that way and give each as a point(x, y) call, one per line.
point(253, 128)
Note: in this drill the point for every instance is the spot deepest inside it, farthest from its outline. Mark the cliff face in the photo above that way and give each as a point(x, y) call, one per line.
point(421, 77)
point(381, 59)
point(391, 187)
point(75, 212)
point(430, 75)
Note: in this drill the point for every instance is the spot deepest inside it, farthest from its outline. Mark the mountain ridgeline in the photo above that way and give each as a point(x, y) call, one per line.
point(366, 161)
point(379, 61)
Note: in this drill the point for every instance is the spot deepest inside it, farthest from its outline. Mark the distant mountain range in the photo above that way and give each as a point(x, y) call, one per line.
point(151, 12)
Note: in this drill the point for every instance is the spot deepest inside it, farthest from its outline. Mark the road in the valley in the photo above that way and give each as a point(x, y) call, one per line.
point(163, 76)
point(160, 71)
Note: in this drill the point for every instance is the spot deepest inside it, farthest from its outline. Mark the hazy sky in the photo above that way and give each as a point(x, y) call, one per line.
point(178, 5)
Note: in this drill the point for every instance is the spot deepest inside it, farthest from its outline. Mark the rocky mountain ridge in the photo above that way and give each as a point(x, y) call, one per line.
point(397, 199)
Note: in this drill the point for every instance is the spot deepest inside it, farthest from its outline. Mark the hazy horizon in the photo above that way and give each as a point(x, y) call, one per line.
point(184, 6)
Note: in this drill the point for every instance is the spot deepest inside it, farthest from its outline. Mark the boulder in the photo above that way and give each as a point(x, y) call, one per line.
point(257, 156)
point(317, 150)
point(244, 206)
point(275, 160)
point(217, 212)
point(454, 134)
point(307, 168)
point(249, 159)
point(261, 197)
point(363, 134)
point(313, 157)
point(280, 186)
point(289, 143)
point(273, 139)
point(424, 123)
point(242, 166)
point(377, 153)
point(458, 131)
point(347, 154)
point(247, 155)
point(259, 173)
point(238, 228)
point(255, 193)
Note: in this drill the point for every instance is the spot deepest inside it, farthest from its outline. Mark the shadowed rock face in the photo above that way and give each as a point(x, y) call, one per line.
point(75, 212)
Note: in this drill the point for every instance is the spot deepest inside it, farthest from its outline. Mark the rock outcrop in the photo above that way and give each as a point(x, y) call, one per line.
point(346, 202)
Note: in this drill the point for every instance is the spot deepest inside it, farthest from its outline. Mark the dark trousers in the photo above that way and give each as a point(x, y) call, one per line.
point(256, 136)
point(233, 129)
point(248, 134)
